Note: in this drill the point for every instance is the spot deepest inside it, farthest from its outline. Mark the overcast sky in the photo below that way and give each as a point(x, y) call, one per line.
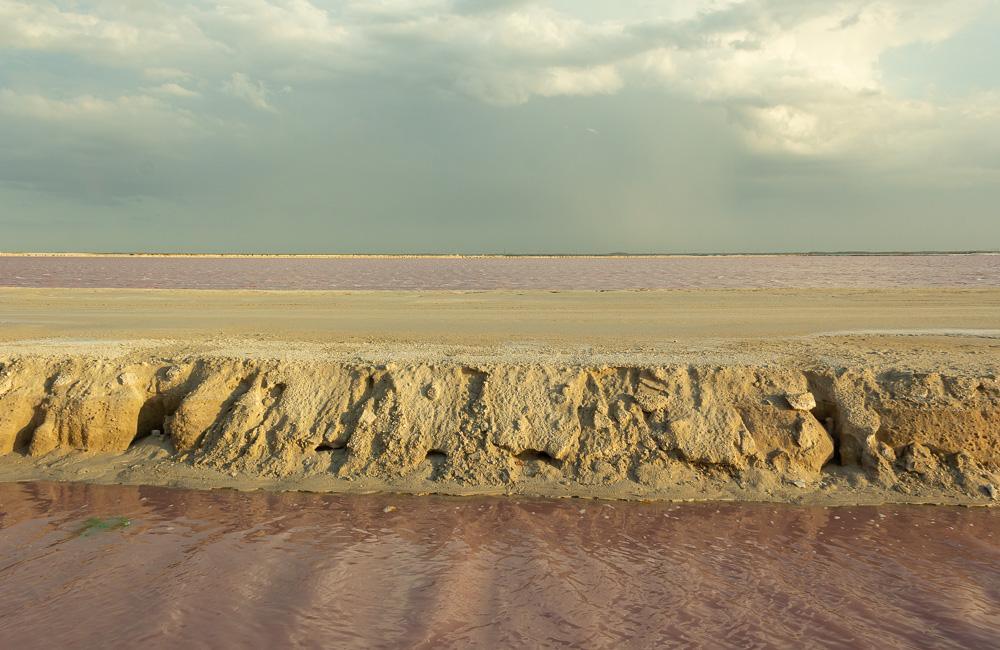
point(499, 125)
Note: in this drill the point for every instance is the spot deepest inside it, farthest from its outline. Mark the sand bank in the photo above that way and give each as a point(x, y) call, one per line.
point(831, 396)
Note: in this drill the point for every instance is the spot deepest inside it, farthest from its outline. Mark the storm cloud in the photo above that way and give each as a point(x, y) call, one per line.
point(499, 125)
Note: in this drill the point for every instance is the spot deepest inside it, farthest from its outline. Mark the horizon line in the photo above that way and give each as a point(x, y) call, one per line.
point(493, 255)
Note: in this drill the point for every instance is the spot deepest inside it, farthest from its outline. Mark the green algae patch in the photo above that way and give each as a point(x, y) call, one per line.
point(96, 525)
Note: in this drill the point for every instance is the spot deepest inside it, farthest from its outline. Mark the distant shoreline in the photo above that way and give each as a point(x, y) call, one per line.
point(493, 255)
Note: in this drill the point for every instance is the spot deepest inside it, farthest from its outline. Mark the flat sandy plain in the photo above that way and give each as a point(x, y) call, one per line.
point(610, 320)
point(919, 329)
point(916, 333)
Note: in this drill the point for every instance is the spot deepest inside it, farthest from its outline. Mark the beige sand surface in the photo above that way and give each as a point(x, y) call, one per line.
point(650, 394)
point(611, 320)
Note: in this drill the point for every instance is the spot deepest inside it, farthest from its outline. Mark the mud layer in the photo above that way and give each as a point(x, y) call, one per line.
point(814, 426)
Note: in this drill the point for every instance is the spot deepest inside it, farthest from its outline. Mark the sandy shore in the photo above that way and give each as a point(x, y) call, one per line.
point(821, 396)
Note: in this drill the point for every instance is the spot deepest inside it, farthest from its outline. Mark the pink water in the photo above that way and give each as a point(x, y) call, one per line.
point(226, 569)
point(504, 273)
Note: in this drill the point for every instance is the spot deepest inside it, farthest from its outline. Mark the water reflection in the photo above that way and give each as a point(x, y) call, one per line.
point(226, 568)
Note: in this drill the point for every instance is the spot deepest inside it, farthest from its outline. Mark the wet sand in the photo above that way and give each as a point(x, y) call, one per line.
point(220, 568)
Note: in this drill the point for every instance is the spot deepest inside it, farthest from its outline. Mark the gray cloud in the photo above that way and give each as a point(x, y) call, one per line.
point(491, 124)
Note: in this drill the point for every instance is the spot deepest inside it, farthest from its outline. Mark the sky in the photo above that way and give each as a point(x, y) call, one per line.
point(499, 126)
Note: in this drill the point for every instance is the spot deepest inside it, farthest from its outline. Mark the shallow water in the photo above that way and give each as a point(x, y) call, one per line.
point(798, 271)
point(220, 568)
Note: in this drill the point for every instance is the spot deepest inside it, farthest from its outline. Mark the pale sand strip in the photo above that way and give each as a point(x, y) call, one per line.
point(612, 319)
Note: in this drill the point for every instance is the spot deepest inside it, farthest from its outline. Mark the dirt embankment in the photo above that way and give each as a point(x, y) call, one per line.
point(819, 433)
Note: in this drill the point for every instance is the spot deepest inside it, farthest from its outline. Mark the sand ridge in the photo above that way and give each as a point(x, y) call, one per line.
point(244, 413)
point(755, 395)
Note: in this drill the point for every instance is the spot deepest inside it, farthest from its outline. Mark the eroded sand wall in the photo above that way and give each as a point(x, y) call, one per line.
point(489, 425)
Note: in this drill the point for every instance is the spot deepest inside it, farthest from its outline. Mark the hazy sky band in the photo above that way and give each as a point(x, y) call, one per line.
point(499, 126)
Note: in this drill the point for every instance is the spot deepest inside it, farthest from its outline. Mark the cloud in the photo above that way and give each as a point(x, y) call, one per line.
point(174, 90)
point(805, 78)
point(83, 110)
point(294, 21)
point(486, 6)
point(798, 79)
point(502, 53)
point(484, 124)
point(165, 73)
point(255, 93)
point(110, 32)
point(42, 132)
point(511, 88)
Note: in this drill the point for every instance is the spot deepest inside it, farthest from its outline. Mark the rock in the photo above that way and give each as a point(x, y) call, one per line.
point(367, 416)
point(431, 392)
point(603, 471)
point(94, 412)
point(801, 439)
point(991, 491)
point(964, 462)
point(535, 408)
point(878, 459)
point(714, 436)
point(918, 459)
point(200, 408)
point(63, 379)
point(884, 451)
point(747, 445)
point(857, 419)
point(650, 400)
point(801, 401)
point(799, 483)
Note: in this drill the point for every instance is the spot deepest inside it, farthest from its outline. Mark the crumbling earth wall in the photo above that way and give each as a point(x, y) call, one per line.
point(488, 425)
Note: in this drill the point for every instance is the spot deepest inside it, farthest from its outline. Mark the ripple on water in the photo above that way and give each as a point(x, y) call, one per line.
point(228, 568)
